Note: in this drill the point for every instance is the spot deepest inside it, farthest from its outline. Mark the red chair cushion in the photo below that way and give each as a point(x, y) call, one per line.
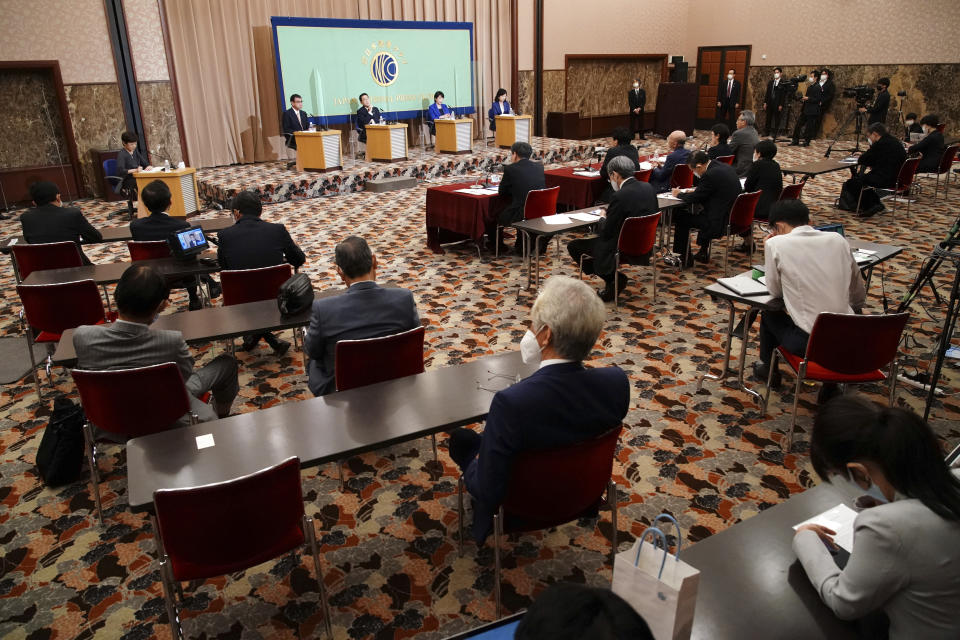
point(821, 374)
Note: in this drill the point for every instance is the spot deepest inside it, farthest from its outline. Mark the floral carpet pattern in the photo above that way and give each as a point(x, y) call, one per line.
point(389, 551)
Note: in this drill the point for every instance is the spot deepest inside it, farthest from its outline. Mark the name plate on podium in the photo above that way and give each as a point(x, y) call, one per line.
point(386, 142)
point(318, 150)
point(454, 136)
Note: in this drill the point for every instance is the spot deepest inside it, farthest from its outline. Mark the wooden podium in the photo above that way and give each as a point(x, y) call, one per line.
point(318, 150)
point(386, 142)
point(454, 136)
point(183, 190)
point(511, 128)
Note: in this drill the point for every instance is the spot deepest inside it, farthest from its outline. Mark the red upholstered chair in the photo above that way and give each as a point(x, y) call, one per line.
point(682, 177)
point(51, 309)
point(129, 403)
point(792, 191)
point(642, 158)
point(643, 175)
point(217, 529)
point(844, 349)
point(946, 163)
point(908, 171)
point(539, 203)
point(40, 257)
point(741, 221)
point(252, 285)
point(942, 127)
point(638, 235)
point(551, 487)
point(726, 159)
point(148, 249)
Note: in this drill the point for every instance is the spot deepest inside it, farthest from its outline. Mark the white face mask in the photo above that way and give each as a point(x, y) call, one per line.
point(823, 78)
point(776, 76)
point(636, 86)
point(853, 490)
point(909, 123)
point(729, 76)
point(529, 348)
point(925, 128)
point(614, 184)
point(811, 79)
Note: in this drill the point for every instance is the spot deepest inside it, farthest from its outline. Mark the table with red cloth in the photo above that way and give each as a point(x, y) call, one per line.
point(453, 216)
point(577, 192)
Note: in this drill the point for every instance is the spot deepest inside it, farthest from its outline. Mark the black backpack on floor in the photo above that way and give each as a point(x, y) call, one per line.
point(60, 454)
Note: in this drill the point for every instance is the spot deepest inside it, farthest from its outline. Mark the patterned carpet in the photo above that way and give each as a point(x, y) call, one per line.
point(388, 547)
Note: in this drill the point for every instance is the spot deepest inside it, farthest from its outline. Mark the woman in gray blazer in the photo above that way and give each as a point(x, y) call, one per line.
point(906, 550)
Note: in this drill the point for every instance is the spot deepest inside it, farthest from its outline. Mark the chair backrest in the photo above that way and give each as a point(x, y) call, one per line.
point(220, 528)
point(741, 213)
point(54, 308)
point(540, 202)
point(358, 363)
point(250, 285)
point(850, 343)
point(791, 191)
point(907, 172)
point(51, 255)
point(638, 235)
point(642, 158)
point(682, 177)
point(148, 249)
point(942, 127)
point(133, 402)
point(643, 175)
point(726, 159)
point(110, 167)
point(553, 486)
point(946, 160)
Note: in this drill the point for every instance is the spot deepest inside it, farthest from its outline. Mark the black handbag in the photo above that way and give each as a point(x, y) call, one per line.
point(295, 295)
point(60, 454)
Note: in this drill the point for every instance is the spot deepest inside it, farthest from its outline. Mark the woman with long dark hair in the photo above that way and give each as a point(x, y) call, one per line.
point(906, 550)
point(500, 107)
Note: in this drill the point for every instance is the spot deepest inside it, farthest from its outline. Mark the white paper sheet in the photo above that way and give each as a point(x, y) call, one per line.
point(204, 441)
point(645, 165)
point(584, 217)
point(839, 519)
point(587, 174)
point(479, 192)
point(559, 218)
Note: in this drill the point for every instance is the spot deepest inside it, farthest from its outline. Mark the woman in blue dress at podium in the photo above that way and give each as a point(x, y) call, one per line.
point(437, 110)
point(500, 107)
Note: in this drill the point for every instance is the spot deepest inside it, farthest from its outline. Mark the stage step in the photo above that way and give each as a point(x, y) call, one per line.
point(381, 185)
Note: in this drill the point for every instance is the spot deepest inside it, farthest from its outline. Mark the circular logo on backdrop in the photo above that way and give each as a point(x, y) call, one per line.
point(383, 68)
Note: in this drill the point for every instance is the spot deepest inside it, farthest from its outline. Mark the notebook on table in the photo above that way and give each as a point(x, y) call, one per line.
point(743, 286)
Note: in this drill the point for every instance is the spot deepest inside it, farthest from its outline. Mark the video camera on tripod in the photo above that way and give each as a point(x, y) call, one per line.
point(861, 93)
point(791, 86)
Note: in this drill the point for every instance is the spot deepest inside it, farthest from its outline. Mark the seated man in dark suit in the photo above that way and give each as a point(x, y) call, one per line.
point(676, 154)
point(621, 136)
point(930, 147)
point(365, 115)
point(253, 243)
point(764, 176)
point(884, 159)
point(366, 310)
point(129, 342)
point(630, 198)
point(50, 221)
point(158, 226)
point(520, 177)
point(911, 125)
point(294, 119)
point(719, 133)
point(714, 194)
point(561, 403)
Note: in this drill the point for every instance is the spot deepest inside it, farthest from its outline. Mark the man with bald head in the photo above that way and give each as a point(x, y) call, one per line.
point(676, 154)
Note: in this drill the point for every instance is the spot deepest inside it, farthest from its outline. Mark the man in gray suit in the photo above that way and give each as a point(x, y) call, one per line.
point(743, 140)
point(129, 342)
point(366, 310)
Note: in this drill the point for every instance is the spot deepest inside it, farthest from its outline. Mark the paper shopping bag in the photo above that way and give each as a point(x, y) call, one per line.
point(660, 587)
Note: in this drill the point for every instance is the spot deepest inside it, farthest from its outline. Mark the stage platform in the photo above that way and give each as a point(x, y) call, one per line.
point(276, 183)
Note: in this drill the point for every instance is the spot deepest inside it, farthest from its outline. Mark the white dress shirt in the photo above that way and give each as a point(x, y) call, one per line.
point(296, 112)
point(814, 272)
point(547, 363)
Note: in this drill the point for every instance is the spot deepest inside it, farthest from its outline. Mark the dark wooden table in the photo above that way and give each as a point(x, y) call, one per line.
point(576, 192)
point(319, 430)
point(753, 586)
point(110, 272)
point(816, 168)
point(122, 233)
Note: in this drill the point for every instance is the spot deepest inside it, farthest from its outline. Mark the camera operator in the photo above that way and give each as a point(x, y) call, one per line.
point(884, 159)
point(930, 147)
point(810, 112)
point(911, 126)
point(773, 102)
point(878, 110)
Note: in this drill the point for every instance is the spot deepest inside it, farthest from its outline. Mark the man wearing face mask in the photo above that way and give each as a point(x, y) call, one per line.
point(881, 104)
point(520, 177)
point(828, 91)
point(773, 101)
point(884, 159)
point(911, 126)
point(562, 403)
point(810, 112)
point(931, 147)
point(630, 198)
point(813, 272)
point(728, 98)
point(743, 141)
point(637, 98)
point(714, 194)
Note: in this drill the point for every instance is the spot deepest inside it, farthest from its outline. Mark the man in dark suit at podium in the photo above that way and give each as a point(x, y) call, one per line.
point(638, 99)
point(294, 119)
point(520, 177)
point(728, 98)
point(365, 115)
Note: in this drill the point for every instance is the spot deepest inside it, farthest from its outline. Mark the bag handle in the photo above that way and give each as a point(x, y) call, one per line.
point(663, 540)
point(667, 516)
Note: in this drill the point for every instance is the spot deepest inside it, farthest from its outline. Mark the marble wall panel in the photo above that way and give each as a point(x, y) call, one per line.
point(31, 130)
point(553, 93)
point(160, 121)
point(599, 87)
point(96, 115)
point(524, 101)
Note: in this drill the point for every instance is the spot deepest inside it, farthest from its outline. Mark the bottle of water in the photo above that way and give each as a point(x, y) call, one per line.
point(166, 165)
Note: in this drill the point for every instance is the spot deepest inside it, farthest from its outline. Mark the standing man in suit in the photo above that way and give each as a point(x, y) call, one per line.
point(637, 98)
point(743, 141)
point(294, 119)
point(50, 221)
point(562, 403)
point(881, 104)
point(630, 198)
point(810, 112)
point(828, 91)
point(773, 101)
point(884, 159)
point(253, 243)
point(129, 342)
point(728, 98)
point(366, 310)
point(622, 148)
point(676, 154)
point(520, 177)
point(719, 186)
point(366, 114)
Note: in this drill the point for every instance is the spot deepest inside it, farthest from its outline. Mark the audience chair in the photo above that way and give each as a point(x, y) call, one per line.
point(908, 170)
point(50, 309)
point(128, 403)
point(252, 285)
point(638, 235)
point(148, 249)
point(942, 127)
point(844, 349)
point(217, 529)
point(793, 191)
point(28, 258)
point(681, 177)
point(109, 172)
point(946, 163)
point(550, 487)
point(726, 159)
point(741, 221)
point(643, 175)
point(539, 203)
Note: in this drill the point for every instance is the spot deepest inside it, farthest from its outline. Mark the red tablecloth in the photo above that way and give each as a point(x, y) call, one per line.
point(577, 192)
point(452, 216)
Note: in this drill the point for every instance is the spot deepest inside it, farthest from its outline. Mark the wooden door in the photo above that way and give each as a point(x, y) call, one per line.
point(712, 66)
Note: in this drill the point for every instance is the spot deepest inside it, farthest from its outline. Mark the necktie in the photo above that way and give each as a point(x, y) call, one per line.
point(729, 88)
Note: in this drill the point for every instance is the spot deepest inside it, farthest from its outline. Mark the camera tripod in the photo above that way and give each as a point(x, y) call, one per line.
point(782, 132)
point(857, 118)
